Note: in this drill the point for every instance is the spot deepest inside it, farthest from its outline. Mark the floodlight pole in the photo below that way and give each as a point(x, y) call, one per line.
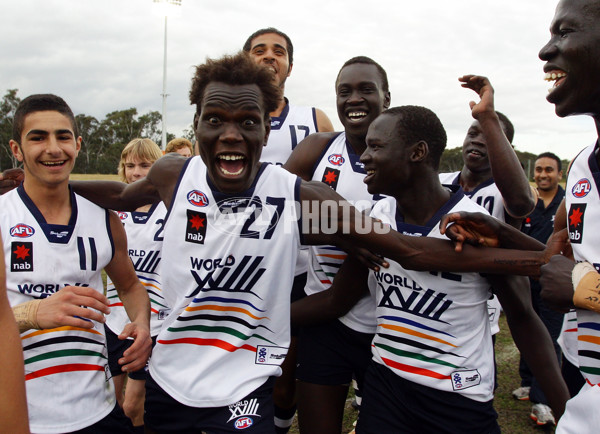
point(164, 93)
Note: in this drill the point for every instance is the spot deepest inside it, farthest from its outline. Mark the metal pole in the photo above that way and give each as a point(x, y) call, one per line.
point(164, 94)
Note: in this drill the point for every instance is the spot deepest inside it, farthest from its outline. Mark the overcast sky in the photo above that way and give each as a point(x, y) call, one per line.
point(106, 55)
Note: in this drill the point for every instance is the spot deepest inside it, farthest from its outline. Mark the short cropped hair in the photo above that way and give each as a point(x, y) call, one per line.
point(290, 47)
point(176, 144)
point(235, 70)
point(508, 128)
point(416, 123)
point(40, 103)
point(367, 61)
point(550, 155)
point(142, 149)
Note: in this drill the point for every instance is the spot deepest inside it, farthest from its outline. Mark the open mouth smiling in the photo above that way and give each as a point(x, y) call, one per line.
point(557, 76)
point(356, 115)
point(231, 164)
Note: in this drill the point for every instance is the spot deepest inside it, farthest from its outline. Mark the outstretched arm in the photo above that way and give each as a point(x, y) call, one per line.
point(158, 185)
point(13, 405)
point(304, 156)
point(414, 253)
point(519, 197)
point(532, 338)
point(135, 300)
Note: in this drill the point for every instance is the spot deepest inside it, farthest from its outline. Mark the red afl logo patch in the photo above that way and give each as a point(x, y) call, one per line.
point(336, 159)
point(582, 188)
point(122, 215)
point(22, 231)
point(243, 423)
point(197, 198)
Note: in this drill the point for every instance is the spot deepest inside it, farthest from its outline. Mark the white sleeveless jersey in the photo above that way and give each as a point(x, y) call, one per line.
point(432, 327)
point(66, 370)
point(582, 195)
point(488, 196)
point(144, 245)
point(567, 340)
point(340, 168)
point(287, 130)
point(230, 261)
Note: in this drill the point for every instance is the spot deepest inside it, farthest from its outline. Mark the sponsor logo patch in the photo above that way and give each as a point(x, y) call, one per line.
point(582, 188)
point(336, 159)
point(122, 215)
point(197, 198)
point(575, 220)
point(196, 227)
point(22, 230)
point(465, 379)
point(243, 423)
point(21, 256)
point(331, 177)
point(270, 355)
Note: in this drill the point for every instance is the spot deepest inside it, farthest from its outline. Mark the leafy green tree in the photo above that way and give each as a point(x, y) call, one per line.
point(8, 105)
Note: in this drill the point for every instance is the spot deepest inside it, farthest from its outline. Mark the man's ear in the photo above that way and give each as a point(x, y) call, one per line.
point(420, 151)
point(387, 100)
point(290, 70)
point(78, 145)
point(16, 150)
point(267, 130)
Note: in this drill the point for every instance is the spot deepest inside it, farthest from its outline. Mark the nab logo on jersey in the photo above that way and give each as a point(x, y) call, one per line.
point(122, 215)
point(336, 159)
point(576, 214)
point(582, 188)
point(196, 227)
point(22, 231)
point(331, 177)
point(197, 198)
point(21, 256)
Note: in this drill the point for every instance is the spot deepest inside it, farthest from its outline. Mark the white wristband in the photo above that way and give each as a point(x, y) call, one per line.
point(580, 270)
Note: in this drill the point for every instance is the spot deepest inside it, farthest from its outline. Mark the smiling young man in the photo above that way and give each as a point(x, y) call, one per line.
point(290, 124)
point(572, 57)
point(362, 93)
point(54, 258)
point(539, 225)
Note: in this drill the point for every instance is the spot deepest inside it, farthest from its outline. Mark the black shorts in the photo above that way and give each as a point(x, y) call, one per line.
point(116, 347)
point(332, 354)
point(251, 414)
point(298, 294)
point(392, 404)
point(114, 422)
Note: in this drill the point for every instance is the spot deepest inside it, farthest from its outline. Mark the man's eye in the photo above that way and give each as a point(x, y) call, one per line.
point(213, 120)
point(249, 123)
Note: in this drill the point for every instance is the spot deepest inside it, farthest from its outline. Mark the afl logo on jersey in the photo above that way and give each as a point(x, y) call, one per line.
point(197, 198)
point(243, 423)
point(336, 159)
point(22, 231)
point(122, 215)
point(582, 188)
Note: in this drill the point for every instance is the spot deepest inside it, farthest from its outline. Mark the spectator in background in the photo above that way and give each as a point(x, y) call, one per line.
point(182, 146)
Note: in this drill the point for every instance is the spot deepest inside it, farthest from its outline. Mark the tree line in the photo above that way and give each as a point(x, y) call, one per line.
point(103, 140)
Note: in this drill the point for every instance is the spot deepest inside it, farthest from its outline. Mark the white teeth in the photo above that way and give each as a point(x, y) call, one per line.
point(370, 172)
point(231, 157)
point(357, 114)
point(52, 163)
point(227, 172)
point(551, 76)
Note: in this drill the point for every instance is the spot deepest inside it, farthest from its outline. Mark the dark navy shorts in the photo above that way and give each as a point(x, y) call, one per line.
point(116, 347)
point(298, 294)
point(252, 414)
point(391, 404)
point(332, 354)
point(114, 422)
